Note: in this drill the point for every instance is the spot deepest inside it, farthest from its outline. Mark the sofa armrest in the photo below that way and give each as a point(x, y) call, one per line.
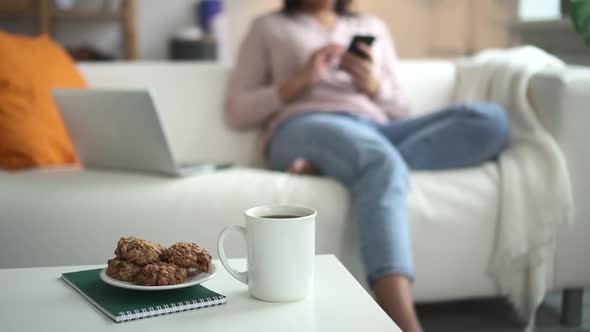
point(562, 99)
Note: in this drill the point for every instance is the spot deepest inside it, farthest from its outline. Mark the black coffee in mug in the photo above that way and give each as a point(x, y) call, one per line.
point(280, 216)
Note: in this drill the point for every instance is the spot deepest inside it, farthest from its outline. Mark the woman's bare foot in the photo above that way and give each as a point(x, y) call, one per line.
point(303, 167)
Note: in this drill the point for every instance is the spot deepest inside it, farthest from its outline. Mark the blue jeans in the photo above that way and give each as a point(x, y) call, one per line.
point(373, 160)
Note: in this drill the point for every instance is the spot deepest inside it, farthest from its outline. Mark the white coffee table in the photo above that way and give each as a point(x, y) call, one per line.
point(35, 299)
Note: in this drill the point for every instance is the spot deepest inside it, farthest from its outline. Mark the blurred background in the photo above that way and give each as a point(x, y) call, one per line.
point(212, 29)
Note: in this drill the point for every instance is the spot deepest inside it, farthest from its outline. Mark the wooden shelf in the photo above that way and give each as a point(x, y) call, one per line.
point(18, 12)
point(564, 23)
point(82, 14)
point(46, 15)
point(18, 8)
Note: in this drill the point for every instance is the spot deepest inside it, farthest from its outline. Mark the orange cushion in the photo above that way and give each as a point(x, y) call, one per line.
point(31, 129)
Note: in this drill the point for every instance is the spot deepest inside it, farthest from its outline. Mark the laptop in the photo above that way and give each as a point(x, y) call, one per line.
point(120, 129)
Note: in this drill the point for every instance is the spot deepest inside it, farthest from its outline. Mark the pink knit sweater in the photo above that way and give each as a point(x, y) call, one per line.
point(277, 46)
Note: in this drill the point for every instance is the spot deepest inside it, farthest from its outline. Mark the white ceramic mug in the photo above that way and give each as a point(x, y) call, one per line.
point(281, 249)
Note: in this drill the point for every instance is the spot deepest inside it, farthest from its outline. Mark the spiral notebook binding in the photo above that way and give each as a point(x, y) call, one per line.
point(170, 308)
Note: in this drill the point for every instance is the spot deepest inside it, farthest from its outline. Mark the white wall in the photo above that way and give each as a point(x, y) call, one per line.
point(539, 9)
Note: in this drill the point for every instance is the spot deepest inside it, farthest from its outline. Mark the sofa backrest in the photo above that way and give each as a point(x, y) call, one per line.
point(189, 97)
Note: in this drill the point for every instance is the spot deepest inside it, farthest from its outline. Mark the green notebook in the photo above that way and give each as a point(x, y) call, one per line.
point(125, 304)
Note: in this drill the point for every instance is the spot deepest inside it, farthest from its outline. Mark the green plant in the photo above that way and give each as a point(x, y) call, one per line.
point(580, 12)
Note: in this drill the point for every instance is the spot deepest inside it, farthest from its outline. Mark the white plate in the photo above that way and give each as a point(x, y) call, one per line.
point(192, 280)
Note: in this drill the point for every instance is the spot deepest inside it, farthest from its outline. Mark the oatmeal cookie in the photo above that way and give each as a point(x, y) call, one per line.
point(140, 251)
point(190, 255)
point(122, 270)
point(161, 274)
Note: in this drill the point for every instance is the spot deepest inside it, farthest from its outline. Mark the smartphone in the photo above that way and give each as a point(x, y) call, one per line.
point(354, 49)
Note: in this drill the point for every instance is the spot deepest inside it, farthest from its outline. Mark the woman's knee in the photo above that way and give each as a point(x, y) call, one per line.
point(340, 148)
point(385, 156)
point(492, 123)
point(381, 167)
point(497, 125)
point(334, 144)
point(291, 140)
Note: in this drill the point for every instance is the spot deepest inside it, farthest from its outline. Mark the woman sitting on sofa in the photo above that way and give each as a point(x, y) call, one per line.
point(344, 115)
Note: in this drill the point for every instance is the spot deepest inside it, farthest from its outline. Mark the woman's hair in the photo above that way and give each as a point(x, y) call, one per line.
point(342, 7)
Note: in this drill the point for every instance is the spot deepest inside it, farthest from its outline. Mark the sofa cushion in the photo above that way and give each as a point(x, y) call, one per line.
point(31, 129)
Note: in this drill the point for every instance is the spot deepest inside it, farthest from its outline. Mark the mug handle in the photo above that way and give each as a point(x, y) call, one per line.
point(241, 276)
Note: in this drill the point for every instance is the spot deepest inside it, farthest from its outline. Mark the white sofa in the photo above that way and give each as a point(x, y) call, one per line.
point(71, 216)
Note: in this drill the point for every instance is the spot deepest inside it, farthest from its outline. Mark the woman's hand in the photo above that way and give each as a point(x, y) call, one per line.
point(362, 70)
point(320, 61)
point(315, 67)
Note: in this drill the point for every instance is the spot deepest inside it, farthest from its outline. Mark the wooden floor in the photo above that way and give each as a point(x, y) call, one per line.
point(495, 315)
